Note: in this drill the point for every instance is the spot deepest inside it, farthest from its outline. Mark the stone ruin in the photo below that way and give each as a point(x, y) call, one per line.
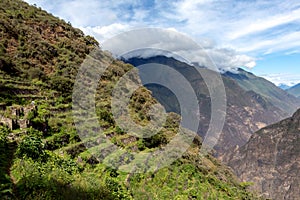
point(18, 116)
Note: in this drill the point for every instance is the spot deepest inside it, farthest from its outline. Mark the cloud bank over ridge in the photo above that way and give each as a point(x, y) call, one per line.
point(161, 42)
point(242, 31)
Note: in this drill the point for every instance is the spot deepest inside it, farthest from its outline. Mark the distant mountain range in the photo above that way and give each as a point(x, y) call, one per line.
point(292, 90)
point(252, 102)
point(276, 96)
point(295, 90)
point(271, 159)
point(283, 86)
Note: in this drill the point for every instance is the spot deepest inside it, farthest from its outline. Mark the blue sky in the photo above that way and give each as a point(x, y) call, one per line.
point(263, 35)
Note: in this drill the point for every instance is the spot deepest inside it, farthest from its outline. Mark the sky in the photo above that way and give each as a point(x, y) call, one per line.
point(262, 36)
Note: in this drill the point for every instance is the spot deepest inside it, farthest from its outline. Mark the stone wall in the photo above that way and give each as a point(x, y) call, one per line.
point(6, 121)
point(18, 118)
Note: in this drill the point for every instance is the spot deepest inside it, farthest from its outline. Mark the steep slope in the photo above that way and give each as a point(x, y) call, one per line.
point(295, 90)
point(278, 97)
point(271, 159)
point(37, 48)
point(43, 156)
point(247, 111)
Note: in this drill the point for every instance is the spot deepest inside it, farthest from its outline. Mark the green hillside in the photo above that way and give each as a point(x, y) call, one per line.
point(43, 157)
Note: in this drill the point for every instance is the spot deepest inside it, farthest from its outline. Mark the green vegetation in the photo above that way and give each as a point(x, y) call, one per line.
point(6, 152)
point(37, 49)
point(47, 159)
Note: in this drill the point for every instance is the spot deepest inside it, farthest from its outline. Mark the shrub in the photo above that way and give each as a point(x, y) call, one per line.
point(62, 84)
point(31, 147)
point(58, 178)
point(36, 73)
point(156, 140)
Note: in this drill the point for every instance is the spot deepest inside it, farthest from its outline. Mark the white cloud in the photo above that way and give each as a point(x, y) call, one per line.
point(105, 32)
point(236, 23)
point(229, 23)
point(227, 59)
point(286, 42)
point(292, 52)
point(169, 42)
point(287, 79)
point(262, 24)
point(236, 29)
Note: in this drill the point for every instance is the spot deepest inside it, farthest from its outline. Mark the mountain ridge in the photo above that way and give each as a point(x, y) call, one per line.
point(284, 86)
point(247, 111)
point(278, 97)
point(295, 90)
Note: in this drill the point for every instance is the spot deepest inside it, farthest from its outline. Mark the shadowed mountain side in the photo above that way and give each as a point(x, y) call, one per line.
point(247, 111)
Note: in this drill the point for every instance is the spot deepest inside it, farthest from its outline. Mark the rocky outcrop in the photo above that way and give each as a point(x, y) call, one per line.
point(271, 160)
